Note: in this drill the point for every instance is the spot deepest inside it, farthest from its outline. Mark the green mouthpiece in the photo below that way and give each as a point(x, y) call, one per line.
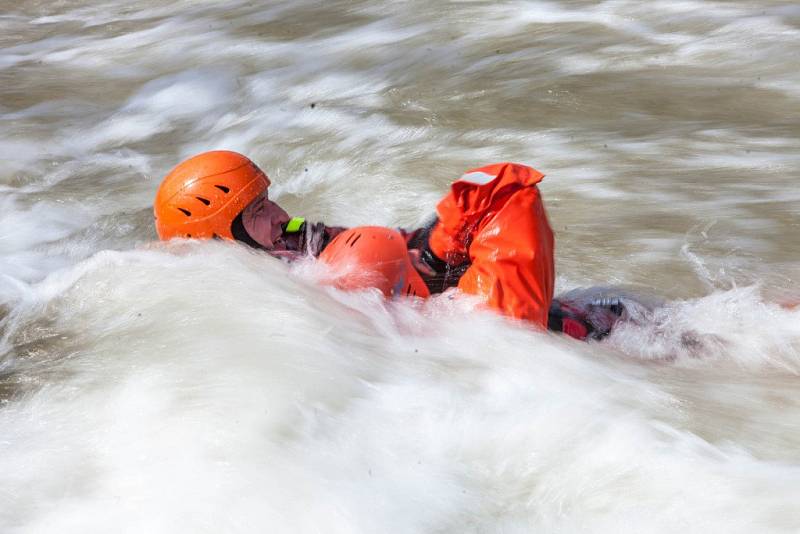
point(294, 224)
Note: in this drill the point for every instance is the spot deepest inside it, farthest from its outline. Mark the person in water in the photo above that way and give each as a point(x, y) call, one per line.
point(490, 237)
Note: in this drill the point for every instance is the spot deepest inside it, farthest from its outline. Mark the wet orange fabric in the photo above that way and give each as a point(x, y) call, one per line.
point(494, 218)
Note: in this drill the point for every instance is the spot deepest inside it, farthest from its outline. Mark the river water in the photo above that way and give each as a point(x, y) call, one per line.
point(202, 387)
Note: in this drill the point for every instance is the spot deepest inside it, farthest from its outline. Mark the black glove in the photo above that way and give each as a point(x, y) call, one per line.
point(445, 275)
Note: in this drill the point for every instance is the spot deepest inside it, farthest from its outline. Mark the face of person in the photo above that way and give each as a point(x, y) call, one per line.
point(264, 220)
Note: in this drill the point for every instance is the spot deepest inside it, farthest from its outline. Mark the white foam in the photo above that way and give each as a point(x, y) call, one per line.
point(307, 410)
point(726, 327)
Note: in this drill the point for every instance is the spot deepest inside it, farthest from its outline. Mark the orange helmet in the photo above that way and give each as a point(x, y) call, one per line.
point(374, 256)
point(201, 197)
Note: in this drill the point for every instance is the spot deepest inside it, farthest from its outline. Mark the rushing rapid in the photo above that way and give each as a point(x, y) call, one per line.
point(191, 387)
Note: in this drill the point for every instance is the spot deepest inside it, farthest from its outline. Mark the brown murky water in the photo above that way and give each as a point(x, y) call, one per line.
point(669, 135)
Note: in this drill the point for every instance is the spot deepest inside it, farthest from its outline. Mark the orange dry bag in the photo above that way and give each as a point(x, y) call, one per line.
point(373, 256)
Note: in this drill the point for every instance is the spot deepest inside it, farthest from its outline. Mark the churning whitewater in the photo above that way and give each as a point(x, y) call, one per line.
point(205, 387)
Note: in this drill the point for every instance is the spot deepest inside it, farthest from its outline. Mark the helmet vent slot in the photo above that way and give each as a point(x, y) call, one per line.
point(223, 188)
point(203, 200)
point(355, 240)
point(186, 212)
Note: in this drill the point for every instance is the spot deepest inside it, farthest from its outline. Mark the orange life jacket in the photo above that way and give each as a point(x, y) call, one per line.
point(493, 218)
